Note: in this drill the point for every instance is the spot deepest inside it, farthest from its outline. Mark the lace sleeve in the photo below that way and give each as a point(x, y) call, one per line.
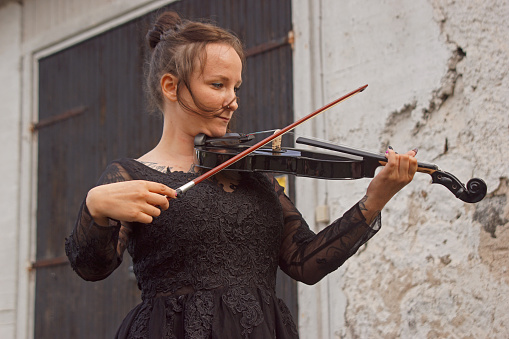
point(95, 251)
point(308, 257)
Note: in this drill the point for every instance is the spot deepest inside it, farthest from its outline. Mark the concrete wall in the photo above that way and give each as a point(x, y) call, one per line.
point(10, 115)
point(437, 75)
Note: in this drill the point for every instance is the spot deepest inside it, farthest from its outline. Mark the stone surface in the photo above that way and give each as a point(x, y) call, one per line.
point(437, 75)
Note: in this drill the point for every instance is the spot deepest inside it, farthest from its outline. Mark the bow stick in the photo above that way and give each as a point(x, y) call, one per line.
point(184, 188)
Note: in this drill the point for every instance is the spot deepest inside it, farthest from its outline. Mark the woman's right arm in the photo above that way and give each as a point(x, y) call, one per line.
point(96, 245)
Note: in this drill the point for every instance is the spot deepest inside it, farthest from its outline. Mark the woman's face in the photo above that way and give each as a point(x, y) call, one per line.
point(214, 86)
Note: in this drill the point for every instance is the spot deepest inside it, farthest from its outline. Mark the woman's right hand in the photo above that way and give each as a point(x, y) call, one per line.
point(132, 201)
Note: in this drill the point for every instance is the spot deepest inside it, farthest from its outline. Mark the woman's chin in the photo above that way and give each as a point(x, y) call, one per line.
point(217, 133)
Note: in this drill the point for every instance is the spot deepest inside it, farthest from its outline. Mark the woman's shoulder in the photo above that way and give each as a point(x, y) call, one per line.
point(117, 170)
point(137, 169)
point(124, 169)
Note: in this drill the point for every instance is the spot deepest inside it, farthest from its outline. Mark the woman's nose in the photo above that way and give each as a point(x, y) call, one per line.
point(233, 104)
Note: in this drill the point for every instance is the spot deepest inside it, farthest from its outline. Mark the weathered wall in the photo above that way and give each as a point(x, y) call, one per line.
point(10, 94)
point(437, 75)
point(10, 45)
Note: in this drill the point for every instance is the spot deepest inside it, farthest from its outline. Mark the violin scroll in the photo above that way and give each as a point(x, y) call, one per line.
point(474, 191)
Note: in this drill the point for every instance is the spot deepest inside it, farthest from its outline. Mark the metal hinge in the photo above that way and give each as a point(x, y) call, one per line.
point(265, 47)
point(57, 261)
point(57, 118)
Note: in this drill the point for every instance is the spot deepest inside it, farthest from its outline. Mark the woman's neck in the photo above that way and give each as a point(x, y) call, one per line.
point(175, 150)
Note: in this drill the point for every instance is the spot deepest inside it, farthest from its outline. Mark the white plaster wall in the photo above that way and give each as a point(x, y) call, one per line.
point(10, 94)
point(438, 267)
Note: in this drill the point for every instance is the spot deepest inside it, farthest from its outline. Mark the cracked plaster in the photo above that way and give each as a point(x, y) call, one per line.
point(438, 268)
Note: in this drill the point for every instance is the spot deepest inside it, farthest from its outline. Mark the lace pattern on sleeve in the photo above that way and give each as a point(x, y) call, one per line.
point(307, 256)
point(95, 251)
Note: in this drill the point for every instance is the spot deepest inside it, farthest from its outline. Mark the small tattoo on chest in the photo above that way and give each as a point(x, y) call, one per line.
point(156, 166)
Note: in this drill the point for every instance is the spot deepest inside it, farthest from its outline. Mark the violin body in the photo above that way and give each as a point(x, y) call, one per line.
point(287, 161)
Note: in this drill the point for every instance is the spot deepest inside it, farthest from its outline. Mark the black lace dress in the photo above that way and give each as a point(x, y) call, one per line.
point(207, 265)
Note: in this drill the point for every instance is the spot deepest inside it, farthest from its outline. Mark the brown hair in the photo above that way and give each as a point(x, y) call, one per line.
point(177, 45)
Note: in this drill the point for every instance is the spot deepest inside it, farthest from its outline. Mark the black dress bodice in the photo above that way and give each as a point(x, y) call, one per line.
point(207, 265)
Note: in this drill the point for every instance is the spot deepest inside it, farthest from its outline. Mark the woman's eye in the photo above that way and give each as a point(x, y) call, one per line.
point(236, 89)
point(217, 85)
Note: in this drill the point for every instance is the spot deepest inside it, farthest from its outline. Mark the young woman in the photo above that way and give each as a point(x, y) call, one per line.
point(206, 262)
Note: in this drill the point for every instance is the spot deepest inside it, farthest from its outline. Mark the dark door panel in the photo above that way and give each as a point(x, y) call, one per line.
point(92, 110)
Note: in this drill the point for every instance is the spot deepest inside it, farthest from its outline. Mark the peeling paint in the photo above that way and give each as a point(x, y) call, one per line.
point(493, 215)
point(489, 213)
point(439, 267)
point(448, 83)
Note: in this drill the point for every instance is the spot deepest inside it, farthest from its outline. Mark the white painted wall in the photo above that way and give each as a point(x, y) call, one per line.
point(433, 271)
point(10, 99)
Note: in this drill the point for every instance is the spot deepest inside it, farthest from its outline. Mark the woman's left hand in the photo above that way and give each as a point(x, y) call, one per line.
point(395, 175)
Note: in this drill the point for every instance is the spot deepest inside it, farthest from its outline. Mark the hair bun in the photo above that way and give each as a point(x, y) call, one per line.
point(164, 22)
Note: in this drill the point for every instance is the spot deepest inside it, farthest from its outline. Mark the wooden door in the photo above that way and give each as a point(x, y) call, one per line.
point(92, 110)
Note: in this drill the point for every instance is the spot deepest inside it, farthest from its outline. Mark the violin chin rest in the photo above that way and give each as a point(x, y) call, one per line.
point(200, 139)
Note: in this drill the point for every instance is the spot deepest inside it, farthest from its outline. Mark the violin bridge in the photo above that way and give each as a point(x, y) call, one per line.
point(276, 143)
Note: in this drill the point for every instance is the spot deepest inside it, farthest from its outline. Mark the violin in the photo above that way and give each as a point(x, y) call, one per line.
point(212, 154)
point(350, 163)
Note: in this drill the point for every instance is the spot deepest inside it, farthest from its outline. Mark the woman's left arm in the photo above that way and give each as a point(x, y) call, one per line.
point(308, 257)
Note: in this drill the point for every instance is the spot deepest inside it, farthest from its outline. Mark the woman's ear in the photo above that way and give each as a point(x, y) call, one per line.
point(169, 86)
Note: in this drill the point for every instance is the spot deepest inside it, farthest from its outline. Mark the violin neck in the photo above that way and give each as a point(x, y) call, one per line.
point(421, 167)
point(372, 158)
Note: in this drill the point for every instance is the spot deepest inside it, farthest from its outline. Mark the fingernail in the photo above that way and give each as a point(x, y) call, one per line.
point(390, 147)
point(415, 150)
point(386, 152)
